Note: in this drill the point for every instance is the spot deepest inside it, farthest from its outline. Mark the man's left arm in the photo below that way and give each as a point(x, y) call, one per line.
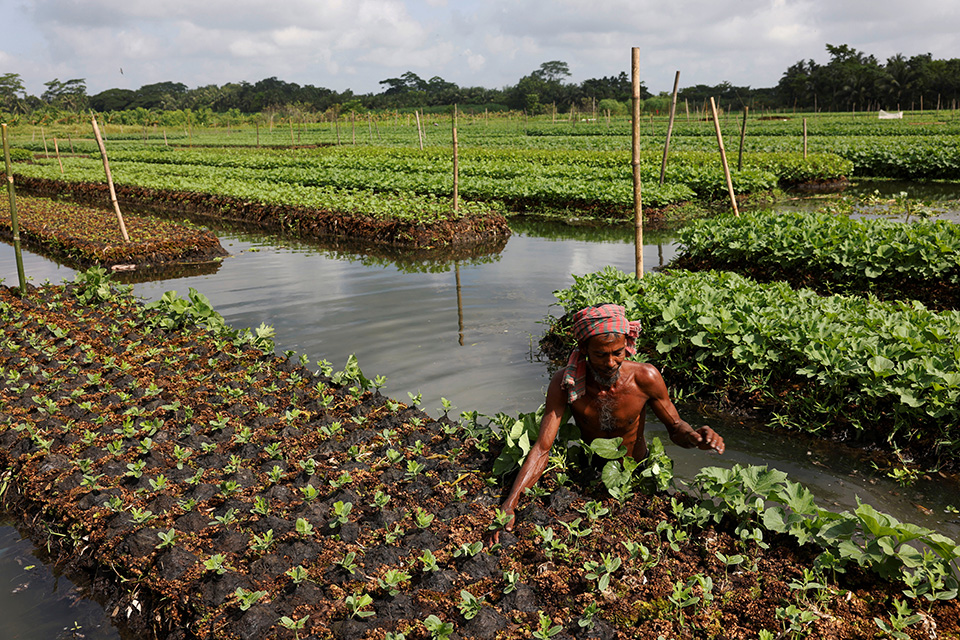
point(681, 433)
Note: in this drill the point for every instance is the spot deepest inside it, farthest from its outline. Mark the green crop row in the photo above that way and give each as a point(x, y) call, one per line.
point(262, 187)
point(852, 253)
point(518, 178)
point(876, 372)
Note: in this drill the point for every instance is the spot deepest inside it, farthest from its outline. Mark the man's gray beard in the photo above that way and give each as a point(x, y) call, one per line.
point(606, 382)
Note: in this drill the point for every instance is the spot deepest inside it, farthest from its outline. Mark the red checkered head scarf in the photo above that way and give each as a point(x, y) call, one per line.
point(589, 322)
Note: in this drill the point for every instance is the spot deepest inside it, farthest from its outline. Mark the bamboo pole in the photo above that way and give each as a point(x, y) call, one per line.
point(14, 223)
point(723, 158)
point(456, 164)
point(743, 134)
point(353, 127)
point(290, 122)
point(56, 149)
point(106, 169)
point(635, 162)
point(673, 111)
point(804, 138)
point(419, 131)
point(336, 120)
point(165, 143)
point(46, 153)
point(257, 125)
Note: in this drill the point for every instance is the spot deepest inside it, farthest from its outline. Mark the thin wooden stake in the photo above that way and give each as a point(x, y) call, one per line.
point(353, 127)
point(419, 132)
point(46, 153)
point(456, 164)
point(673, 111)
point(14, 223)
point(743, 134)
point(804, 138)
point(635, 162)
point(723, 157)
point(56, 149)
point(106, 169)
point(290, 121)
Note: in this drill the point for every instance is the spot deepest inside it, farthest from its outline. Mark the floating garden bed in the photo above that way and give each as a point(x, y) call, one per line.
point(884, 374)
point(213, 489)
point(832, 253)
point(83, 236)
point(393, 219)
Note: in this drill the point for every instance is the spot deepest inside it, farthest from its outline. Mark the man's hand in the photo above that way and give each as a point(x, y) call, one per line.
point(706, 438)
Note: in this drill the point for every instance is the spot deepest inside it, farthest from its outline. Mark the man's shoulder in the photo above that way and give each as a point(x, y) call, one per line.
point(643, 373)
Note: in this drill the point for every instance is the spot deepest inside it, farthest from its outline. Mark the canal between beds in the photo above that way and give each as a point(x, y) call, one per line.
point(464, 331)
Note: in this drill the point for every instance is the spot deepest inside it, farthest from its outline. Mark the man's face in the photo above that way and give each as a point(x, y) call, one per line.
point(605, 354)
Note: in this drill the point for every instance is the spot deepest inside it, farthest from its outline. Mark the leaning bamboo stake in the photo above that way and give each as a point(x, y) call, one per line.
point(723, 157)
point(743, 134)
point(673, 111)
point(804, 138)
point(56, 149)
point(419, 132)
point(106, 169)
point(46, 153)
point(14, 223)
point(456, 164)
point(635, 162)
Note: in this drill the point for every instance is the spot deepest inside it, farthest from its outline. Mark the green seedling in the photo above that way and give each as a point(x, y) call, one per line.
point(511, 580)
point(261, 506)
point(429, 561)
point(347, 563)
point(422, 518)
point(216, 564)
point(294, 625)
point(468, 550)
point(470, 605)
point(546, 629)
point(380, 499)
point(439, 630)
point(246, 599)
point(303, 527)
point(602, 571)
point(341, 513)
point(392, 579)
point(310, 492)
point(261, 543)
point(298, 574)
point(167, 538)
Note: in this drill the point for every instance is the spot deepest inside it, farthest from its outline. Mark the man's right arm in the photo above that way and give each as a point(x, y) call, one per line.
point(536, 461)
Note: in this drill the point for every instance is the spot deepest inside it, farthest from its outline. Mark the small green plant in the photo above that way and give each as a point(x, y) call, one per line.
point(310, 492)
point(586, 620)
point(470, 605)
point(468, 550)
point(380, 499)
point(167, 538)
point(414, 469)
point(429, 561)
point(246, 599)
point(602, 571)
point(511, 580)
point(392, 579)
point(546, 629)
point(216, 564)
point(261, 506)
point(422, 518)
point(261, 543)
point(902, 618)
point(439, 630)
point(298, 574)
point(294, 625)
point(303, 528)
point(341, 513)
point(348, 563)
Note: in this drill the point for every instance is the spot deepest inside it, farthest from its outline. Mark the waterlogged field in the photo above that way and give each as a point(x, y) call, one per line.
point(228, 492)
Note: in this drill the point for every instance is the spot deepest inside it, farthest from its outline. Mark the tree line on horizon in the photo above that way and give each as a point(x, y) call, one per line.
point(850, 80)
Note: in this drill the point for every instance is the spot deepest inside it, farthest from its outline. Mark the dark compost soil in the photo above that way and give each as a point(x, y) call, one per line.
point(114, 431)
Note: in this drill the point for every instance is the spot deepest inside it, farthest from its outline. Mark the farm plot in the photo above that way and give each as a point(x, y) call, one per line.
point(218, 490)
point(832, 253)
point(83, 236)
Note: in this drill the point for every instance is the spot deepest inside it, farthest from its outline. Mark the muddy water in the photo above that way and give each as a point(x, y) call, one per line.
point(467, 332)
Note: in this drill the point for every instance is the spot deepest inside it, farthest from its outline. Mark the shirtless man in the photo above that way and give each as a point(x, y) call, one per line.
point(608, 397)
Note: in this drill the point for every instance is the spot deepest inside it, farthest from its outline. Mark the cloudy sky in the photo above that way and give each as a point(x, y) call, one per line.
point(341, 44)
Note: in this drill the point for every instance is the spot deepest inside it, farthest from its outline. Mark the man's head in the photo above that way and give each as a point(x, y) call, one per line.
point(605, 353)
point(604, 337)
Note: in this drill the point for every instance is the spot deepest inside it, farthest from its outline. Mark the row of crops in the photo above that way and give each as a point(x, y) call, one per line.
point(404, 183)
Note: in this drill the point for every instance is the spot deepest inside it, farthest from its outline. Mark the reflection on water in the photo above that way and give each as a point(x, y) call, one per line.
point(36, 603)
point(467, 331)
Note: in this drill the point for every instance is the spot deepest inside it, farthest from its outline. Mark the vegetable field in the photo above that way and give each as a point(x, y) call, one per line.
point(218, 490)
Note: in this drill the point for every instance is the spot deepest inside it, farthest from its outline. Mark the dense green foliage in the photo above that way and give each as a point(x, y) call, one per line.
point(851, 252)
point(335, 177)
point(870, 370)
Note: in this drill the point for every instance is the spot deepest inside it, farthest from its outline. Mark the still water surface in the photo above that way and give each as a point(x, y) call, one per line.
point(464, 331)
